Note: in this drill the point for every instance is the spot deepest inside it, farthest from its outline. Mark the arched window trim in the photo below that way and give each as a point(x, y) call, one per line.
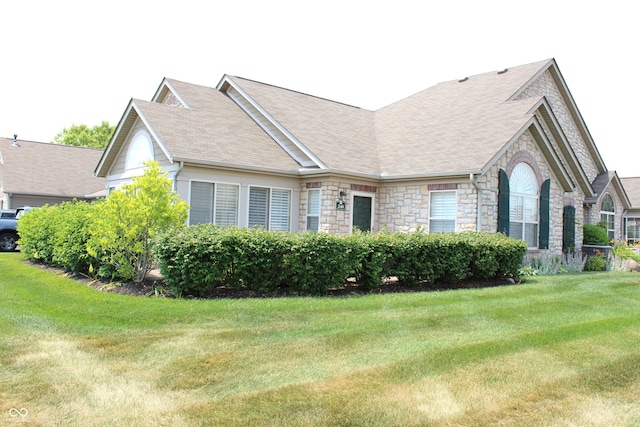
point(608, 215)
point(140, 150)
point(524, 204)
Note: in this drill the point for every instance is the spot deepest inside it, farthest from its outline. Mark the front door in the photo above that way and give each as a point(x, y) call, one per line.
point(361, 213)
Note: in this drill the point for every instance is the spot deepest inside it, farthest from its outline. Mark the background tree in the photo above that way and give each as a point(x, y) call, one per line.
point(84, 136)
point(124, 225)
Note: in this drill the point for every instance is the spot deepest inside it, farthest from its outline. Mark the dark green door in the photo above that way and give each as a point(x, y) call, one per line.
point(361, 213)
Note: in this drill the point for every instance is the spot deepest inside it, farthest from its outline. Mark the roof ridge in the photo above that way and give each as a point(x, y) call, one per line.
point(299, 92)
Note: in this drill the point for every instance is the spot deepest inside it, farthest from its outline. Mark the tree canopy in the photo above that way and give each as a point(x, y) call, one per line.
point(84, 136)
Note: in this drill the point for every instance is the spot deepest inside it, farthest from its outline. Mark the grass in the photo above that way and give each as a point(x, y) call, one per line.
point(557, 350)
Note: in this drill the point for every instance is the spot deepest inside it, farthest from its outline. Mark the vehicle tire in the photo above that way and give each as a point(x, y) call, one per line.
point(8, 241)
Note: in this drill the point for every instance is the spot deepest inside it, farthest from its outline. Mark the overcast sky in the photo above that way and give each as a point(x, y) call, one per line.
point(80, 62)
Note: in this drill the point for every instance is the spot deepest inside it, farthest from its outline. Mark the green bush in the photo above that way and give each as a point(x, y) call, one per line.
point(595, 263)
point(595, 235)
point(36, 230)
point(197, 258)
point(57, 235)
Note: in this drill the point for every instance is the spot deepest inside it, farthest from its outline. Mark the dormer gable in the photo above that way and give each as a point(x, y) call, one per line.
point(288, 142)
point(168, 95)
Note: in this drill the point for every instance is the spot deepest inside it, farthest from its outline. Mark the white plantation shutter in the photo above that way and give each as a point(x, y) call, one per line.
point(258, 207)
point(226, 205)
point(443, 209)
point(201, 205)
point(313, 210)
point(280, 206)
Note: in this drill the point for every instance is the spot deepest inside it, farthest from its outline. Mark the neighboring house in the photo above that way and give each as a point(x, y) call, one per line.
point(502, 151)
point(35, 173)
point(631, 220)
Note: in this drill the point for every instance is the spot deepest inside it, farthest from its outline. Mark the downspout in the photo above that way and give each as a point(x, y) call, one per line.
point(472, 179)
point(175, 177)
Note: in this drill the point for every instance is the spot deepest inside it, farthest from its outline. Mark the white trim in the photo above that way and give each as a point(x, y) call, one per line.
point(270, 188)
point(313, 159)
point(215, 189)
point(306, 213)
point(455, 215)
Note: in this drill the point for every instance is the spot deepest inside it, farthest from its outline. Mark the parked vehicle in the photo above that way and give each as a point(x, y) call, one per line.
point(9, 229)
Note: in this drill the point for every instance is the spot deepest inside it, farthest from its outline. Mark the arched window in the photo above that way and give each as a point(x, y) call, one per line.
point(608, 215)
point(523, 205)
point(140, 150)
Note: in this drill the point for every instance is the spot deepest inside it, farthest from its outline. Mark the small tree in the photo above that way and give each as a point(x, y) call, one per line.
point(125, 224)
point(84, 136)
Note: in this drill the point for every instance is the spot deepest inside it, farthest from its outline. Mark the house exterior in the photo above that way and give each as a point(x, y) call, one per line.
point(501, 151)
point(631, 218)
point(35, 173)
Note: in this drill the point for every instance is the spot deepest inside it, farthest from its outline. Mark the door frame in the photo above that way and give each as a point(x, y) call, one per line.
point(372, 196)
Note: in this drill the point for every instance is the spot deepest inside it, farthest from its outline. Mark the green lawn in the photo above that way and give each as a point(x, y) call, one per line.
point(555, 351)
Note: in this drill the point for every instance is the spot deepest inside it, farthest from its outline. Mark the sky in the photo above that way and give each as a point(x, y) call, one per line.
point(80, 62)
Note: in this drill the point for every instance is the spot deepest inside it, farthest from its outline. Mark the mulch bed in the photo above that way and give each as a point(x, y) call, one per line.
point(154, 285)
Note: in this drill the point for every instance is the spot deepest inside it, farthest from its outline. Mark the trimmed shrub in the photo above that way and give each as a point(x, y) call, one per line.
point(197, 258)
point(595, 235)
point(57, 235)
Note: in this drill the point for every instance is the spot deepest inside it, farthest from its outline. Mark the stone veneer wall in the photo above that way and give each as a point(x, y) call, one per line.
point(525, 147)
point(592, 215)
point(404, 207)
point(332, 220)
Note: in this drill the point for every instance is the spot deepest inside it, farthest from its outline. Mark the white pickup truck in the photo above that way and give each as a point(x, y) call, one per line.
point(8, 229)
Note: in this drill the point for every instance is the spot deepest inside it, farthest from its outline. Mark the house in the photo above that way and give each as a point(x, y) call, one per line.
point(35, 173)
point(631, 219)
point(502, 151)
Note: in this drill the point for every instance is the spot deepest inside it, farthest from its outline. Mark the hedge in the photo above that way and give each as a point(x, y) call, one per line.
point(194, 259)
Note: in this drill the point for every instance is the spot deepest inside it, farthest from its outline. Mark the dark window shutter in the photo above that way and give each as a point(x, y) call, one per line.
point(569, 229)
point(544, 214)
point(503, 203)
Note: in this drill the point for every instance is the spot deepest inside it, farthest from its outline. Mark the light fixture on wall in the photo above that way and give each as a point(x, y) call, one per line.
point(340, 203)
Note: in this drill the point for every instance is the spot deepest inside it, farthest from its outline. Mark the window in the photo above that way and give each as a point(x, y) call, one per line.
point(523, 205)
point(608, 216)
point(214, 203)
point(632, 227)
point(140, 150)
point(313, 210)
point(442, 211)
point(269, 208)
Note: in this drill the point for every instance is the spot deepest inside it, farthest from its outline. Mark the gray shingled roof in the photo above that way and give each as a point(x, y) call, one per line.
point(214, 129)
point(632, 188)
point(453, 127)
point(37, 168)
point(456, 126)
point(342, 136)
